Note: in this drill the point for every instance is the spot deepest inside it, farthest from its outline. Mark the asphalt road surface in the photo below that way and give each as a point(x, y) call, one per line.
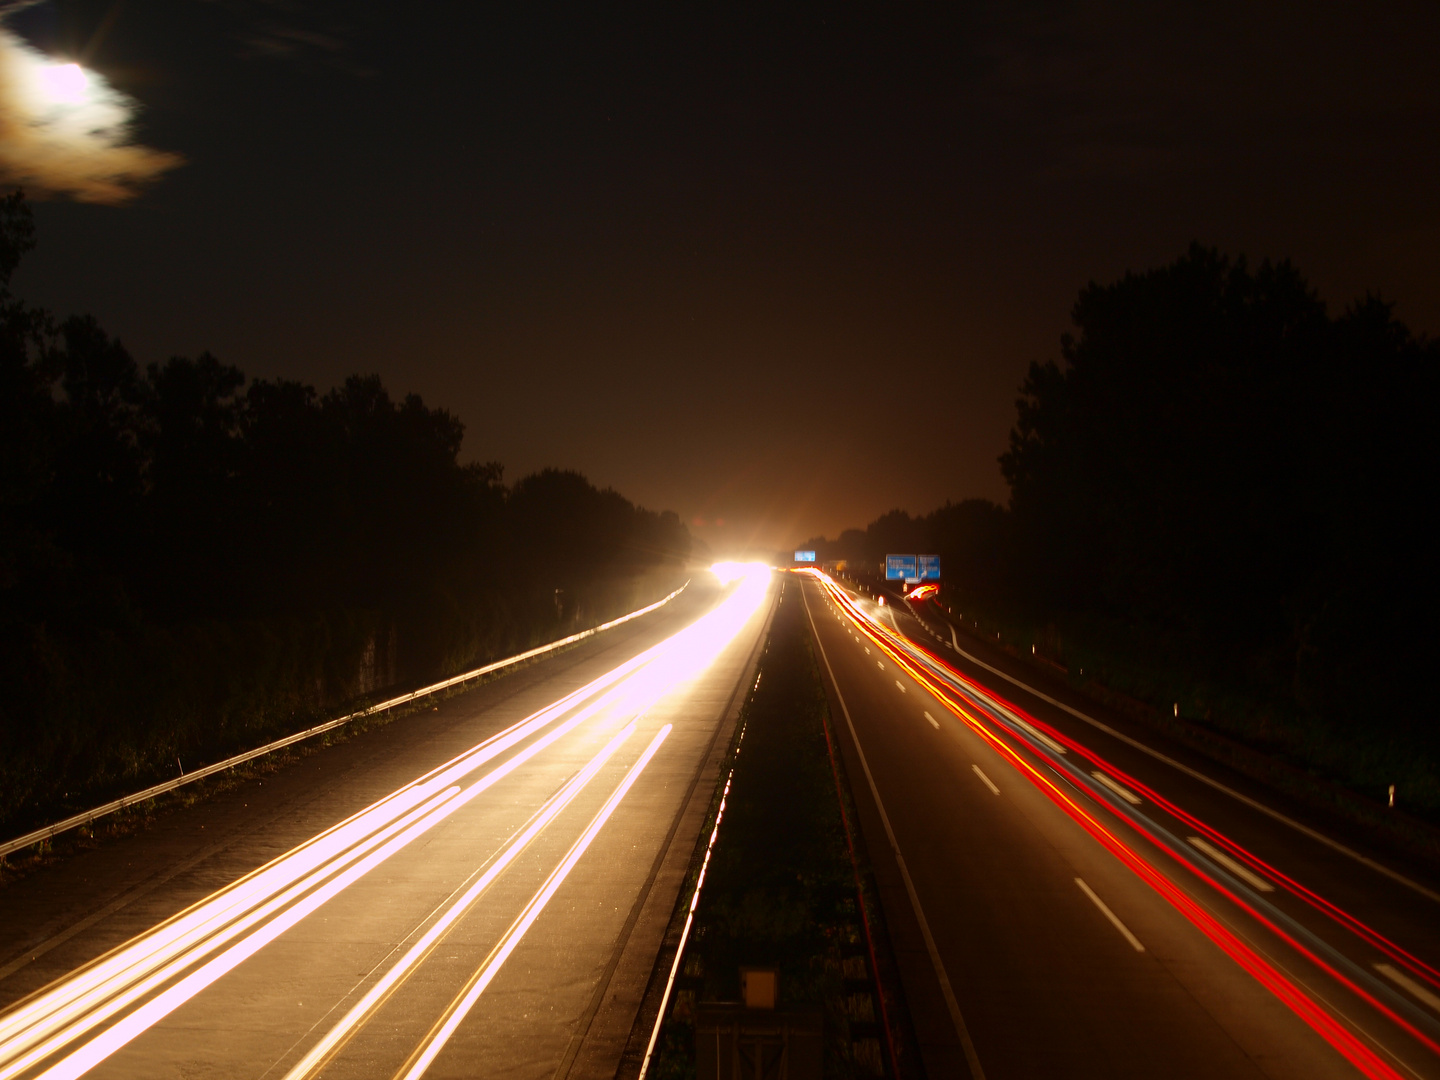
point(1071, 902)
point(478, 889)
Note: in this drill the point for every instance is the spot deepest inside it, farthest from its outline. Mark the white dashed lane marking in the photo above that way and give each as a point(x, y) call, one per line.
point(980, 773)
point(1114, 919)
point(1124, 792)
point(1400, 979)
point(1244, 873)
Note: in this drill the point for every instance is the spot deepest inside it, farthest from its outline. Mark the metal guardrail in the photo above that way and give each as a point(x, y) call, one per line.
point(84, 818)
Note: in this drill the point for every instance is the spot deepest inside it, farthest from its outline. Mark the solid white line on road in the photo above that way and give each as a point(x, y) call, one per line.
point(1196, 774)
point(1243, 872)
point(933, 722)
point(1400, 979)
point(988, 782)
point(1124, 792)
point(962, 1032)
point(900, 686)
point(1115, 921)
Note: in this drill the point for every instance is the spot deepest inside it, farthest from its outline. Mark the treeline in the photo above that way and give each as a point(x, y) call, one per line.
point(1222, 495)
point(191, 561)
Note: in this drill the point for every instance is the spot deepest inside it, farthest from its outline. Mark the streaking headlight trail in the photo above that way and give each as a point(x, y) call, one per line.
point(75, 1024)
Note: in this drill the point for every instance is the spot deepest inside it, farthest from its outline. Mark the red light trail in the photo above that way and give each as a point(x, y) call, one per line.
point(1340, 1037)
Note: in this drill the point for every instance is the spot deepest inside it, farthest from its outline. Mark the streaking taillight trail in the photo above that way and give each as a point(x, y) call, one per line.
point(1007, 715)
point(982, 711)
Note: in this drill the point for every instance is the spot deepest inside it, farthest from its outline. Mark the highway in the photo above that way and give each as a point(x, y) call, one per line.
point(478, 888)
point(1067, 901)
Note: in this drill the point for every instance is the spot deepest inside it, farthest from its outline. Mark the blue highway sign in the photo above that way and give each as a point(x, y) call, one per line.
point(901, 568)
point(804, 556)
point(929, 567)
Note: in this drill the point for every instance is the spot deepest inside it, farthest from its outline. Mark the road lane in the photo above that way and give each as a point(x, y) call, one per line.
point(1325, 866)
point(1038, 978)
point(606, 748)
point(1201, 779)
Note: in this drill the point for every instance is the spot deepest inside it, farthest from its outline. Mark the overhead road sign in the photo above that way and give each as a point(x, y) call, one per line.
point(804, 556)
point(929, 567)
point(901, 568)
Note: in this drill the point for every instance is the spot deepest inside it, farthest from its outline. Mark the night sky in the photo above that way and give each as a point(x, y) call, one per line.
point(779, 267)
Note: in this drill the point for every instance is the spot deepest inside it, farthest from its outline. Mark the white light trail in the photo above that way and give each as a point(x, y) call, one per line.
point(346, 841)
point(417, 952)
point(460, 1008)
point(214, 936)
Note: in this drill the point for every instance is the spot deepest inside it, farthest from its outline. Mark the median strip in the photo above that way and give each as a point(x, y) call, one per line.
point(781, 854)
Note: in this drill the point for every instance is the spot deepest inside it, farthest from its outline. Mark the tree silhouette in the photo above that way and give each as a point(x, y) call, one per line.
point(190, 560)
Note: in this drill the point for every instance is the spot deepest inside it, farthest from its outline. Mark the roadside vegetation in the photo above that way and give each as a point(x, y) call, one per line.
point(782, 889)
point(1220, 501)
point(193, 562)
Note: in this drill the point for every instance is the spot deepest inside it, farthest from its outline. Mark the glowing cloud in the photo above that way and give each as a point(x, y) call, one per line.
point(65, 131)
